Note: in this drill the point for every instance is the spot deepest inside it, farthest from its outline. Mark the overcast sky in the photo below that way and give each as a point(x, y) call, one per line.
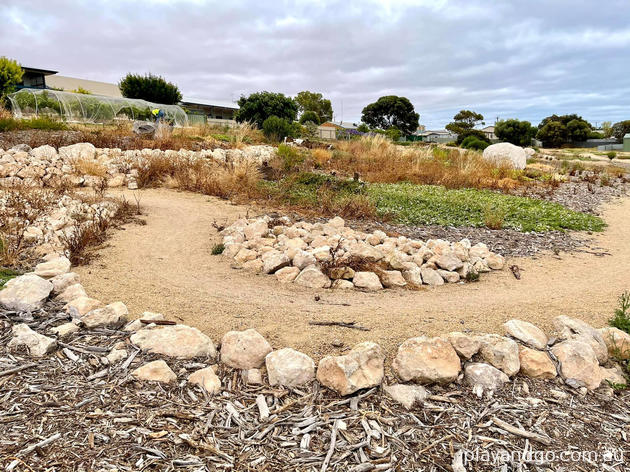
point(503, 58)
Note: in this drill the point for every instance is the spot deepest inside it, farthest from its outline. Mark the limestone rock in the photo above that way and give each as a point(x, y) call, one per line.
point(116, 355)
point(362, 367)
point(536, 364)
point(615, 375)
point(571, 328)
point(312, 277)
point(484, 377)
point(156, 371)
point(413, 276)
point(179, 341)
point(427, 360)
point(113, 315)
point(527, 333)
point(449, 262)
point(392, 279)
point(136, 325)
point(617, 342)
point(506, 154)
point(274, 261)
point(207, 379)
point(25, 293)
point(65, 329)
point(407, 395)
point(52, 268)
point(77, 151)
point(83, 305)
point(244, 349)
point(35, 344)
point(500, 352)
point(495, 261)
point(251, 376)
point(72, 293)
point(367, 281)
point(342, 285)
point(287, 275)
point(289, 368)
point(448, 277)
point(578, 362)
point(465, 345)
point(63, 281)
point(431, 277)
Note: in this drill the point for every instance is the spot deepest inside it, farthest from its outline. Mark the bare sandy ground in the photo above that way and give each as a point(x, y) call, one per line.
point(166, 266)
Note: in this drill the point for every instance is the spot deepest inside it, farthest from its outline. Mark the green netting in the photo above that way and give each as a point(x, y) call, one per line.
point(84, 108)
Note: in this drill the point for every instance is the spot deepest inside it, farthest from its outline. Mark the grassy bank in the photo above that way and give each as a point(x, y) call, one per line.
point(412, 204)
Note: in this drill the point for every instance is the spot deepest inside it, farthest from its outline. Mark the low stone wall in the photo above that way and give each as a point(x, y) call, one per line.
point(577, 355)
point(45, 166)
point(332, 255)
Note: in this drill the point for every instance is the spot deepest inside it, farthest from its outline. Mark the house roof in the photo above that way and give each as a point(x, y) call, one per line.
point(340, 125)
point(212, 103)
point(35, 70)
point(489, 129)
point(439, 132)
point(93, 86)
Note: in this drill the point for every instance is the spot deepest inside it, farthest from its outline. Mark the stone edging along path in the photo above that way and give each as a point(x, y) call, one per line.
point(579, 354)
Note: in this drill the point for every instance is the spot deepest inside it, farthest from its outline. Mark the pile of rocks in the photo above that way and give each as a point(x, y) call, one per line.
point(45, 166)
point(332, 255)
point(579, 354)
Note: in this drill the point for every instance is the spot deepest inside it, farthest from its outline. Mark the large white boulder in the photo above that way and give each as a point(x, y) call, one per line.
point(244, 349)
point(25, 293)
point(37, 345)
point(502, 154)
point(427, 360)
point(179, 341)
point(289, 368)
point(362, 367)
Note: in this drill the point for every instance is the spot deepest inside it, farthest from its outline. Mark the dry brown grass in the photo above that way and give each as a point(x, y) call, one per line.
point(321, 156)
point(89, 167)
point(377, 159)
point(4, 113)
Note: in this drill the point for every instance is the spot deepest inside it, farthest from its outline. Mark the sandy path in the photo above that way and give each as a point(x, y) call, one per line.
point(166, 267)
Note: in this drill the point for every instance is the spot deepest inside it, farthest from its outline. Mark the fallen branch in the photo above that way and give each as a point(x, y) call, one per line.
point(17, 369)
point(43, 443)
point(343, 324)
point(521, 432)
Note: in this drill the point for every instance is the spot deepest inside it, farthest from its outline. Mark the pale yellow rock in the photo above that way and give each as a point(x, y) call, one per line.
point(464, 344)
point(179, 341)
point(244, 349)
point(362, 367)
point(83, 305)
point(156, 371)
point(427, 360)
point(207, 379)
point(536, 364)
point(578, 362)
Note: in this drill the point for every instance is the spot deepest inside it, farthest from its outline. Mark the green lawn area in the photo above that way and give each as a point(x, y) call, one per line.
point(427, 204)
point(413, 204)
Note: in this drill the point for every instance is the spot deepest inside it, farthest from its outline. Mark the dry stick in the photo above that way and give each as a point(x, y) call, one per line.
point(343, 324)
point(333, 440)
point(521, 432)
point(43, 443)
point(435, 443)
point(159, 322)
point(17, 369)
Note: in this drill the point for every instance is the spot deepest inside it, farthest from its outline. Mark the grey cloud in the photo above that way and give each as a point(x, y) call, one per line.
point(513, 58)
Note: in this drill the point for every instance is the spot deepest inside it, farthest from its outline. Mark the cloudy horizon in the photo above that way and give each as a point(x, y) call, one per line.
point(512, 59)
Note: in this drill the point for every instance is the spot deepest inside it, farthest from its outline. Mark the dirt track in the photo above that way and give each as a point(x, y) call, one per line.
point(166, 267)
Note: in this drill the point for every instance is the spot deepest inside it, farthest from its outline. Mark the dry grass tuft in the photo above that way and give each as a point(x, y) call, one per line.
point(321, 156)
point(89, 167)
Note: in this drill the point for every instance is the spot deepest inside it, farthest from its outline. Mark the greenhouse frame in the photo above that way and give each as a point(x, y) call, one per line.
point(87, 108)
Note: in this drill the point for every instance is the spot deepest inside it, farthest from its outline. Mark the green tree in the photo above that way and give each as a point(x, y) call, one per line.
point(315, 102)
point(10, 75)
point(620, 129)
point(553, 134)
point(569, 128)
point(391, 111)
point(463, 125)
point(151, 88)
point(309, 116)
point(363, 128)
point(259, 106)
point(515, 131)
point(607, 129)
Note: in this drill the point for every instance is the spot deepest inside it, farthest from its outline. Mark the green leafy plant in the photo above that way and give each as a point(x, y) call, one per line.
point(218, 249)
point(276, 128)
point(259, 106)
point(621, 320)
point(391, 112)
point(611, 155)
point(473, 142)
point(290, 157)
point(10, 75)
point(151, 88)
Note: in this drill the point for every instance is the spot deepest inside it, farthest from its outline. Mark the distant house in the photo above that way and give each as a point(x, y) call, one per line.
point(329, 129)
point(437, 136)
point(489, 132)
point(70, 84)
point(34, 78)
point(214, 112)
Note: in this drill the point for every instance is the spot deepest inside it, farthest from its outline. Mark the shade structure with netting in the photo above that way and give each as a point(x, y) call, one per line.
point(84, 108)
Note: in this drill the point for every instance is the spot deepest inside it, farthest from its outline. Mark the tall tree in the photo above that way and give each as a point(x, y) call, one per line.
point(259, 106)
point(391, 112)
point(515, 131)
point(463, 125)
point(315, 102)
point(620, 129)
point(10, 75)
point(607, 129)
point(558, 130)
point(151, 88)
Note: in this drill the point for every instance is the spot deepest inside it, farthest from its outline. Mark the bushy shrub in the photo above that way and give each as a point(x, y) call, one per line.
point(473, 142)
point(309, 116)
point(611, 155)
point(276, 128)
point(290, 157)
point(259, 106)
point(151, 88)
point(10, 75)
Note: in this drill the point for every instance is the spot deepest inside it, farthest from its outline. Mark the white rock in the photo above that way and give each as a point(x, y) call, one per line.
point(571, 328)
point(465, 345)
point(337, 222)
point(35, 344)
point(578, 362)
point(207, 379)
point(431, 276)
point(289, 368)
point(617, 342)
point(251, 376)
point(501, 352)
point(25, 293)
point(367, 281)
point(156, 371)
point(136, 325)
point(362, 367)
point(63, 281)
point(448, 261)
point(527, 333)
point(78, 151)
point(72, 293)
point(83, 305)
point(392, 279)
point(484, 377)
point(427, 360)
point(179, 341)
point(113, 315)
point(495, 261)
point(448, 276)
point(116, 355)
point(407, 395)
point(57, 266)
point(287, 275)
point(244, 349)
point(65, 329)
point(341, 284)
point(413, 276)
point(506, 154)
point(303, 259)
point(274, 261)
point(312, 277)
